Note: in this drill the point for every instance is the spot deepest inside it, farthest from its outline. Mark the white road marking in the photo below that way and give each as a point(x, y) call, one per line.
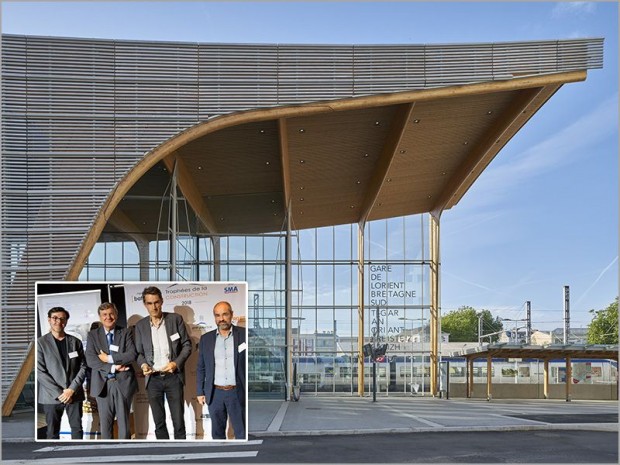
point(276, 423)
point(150, 445)
point(137, 458)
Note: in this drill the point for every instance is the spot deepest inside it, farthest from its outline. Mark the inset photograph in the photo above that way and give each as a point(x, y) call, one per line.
point(141, 361)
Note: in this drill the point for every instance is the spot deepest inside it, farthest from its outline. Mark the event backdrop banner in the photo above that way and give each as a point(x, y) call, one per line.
point(194, 302)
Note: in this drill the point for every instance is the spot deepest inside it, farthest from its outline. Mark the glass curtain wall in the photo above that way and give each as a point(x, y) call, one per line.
point(324, 319)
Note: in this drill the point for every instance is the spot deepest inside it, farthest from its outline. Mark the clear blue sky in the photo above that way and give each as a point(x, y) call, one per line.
point(545, 212)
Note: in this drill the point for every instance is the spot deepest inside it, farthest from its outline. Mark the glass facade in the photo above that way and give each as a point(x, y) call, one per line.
point(324, 304)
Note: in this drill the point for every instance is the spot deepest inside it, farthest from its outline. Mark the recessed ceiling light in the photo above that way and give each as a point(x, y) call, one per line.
point(403, 151)
point(302, 161)
point(351, 206)
point(416, 121)
point(490, 112)
point(465, 143)
point(358, 182)
point(365, 155)
point(301, 188)
point(200, 167)
point(377, 123)
point(443, 173)
point(221, 218)
point(302, 130)
point(429, 197)
point(275, 214)
point(389, 179)
point(262, 131)
point(301, 199)
point(267, 163)
point(273, 201)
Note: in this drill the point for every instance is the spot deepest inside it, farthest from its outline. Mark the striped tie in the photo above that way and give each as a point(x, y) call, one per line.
point(110, 337)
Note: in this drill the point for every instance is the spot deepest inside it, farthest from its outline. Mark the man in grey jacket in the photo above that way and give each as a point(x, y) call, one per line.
point(61, 369)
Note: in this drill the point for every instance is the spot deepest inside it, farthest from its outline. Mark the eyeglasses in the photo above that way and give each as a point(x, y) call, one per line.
point(59, 318)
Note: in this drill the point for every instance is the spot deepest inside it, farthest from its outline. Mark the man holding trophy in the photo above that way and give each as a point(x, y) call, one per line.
point(163, 346)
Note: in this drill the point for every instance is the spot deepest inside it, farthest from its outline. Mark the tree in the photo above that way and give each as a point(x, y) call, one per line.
point(603, 329)
point(491, 325)
point(462, 324)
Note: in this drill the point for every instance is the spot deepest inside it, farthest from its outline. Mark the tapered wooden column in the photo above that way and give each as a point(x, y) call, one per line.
point(434, 329)
point(470, 377)
point(546, 379)
point(569, 378)
point(489, 376)
point(360, 310)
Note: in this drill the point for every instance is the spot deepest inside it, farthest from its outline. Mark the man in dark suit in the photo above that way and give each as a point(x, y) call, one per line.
point(163, 346)
point(220, 375)
point(109, 353)
point(61, 369)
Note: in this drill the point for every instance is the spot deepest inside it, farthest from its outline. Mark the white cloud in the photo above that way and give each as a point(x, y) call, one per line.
point(598, 278)
point(563, 9)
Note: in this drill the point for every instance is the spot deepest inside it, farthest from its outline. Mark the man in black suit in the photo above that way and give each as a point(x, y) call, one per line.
point(109, 353)
point(163, 346)
point(61, 369)
point(220, 375)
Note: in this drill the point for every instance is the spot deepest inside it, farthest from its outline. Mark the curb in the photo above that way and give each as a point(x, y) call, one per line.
point(602, 427)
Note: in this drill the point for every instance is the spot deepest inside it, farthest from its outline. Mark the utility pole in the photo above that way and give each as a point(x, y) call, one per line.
point(528, 306)
point(566, 313)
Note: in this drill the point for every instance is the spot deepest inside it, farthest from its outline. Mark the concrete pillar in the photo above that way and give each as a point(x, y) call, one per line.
point(217, 258)
point(144, 258)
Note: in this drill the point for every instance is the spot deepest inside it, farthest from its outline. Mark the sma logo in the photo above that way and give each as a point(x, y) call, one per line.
point(230, 289)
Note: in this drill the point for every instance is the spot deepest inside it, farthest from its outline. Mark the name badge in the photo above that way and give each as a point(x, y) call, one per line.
point(113, 348)
point(73, 354)
point(175, 336)
point(242, 347)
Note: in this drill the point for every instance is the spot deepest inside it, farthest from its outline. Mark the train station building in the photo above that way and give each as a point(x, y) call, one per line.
point(316, 173)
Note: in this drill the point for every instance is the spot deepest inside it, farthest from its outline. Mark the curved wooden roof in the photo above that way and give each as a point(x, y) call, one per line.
point(334, 162)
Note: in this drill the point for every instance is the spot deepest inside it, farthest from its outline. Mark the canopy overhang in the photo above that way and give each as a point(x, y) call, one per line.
point(542, 352)
point(333, 162)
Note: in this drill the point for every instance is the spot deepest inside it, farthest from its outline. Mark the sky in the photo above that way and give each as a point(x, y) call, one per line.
point(543, 215)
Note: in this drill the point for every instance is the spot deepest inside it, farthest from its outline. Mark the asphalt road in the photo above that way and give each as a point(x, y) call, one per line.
point(549, 446)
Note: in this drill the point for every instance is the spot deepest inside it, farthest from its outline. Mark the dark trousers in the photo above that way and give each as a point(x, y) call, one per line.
point(114, 404)
point(226, 404)
point(168, 387)
point(53, 415)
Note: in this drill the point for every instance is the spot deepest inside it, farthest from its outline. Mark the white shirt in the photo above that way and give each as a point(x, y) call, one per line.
point(161, 350)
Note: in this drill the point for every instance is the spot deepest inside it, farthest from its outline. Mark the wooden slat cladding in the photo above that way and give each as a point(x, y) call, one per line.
point(79, 114)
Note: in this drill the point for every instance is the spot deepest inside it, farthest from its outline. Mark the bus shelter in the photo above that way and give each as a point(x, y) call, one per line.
point(567, 352)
